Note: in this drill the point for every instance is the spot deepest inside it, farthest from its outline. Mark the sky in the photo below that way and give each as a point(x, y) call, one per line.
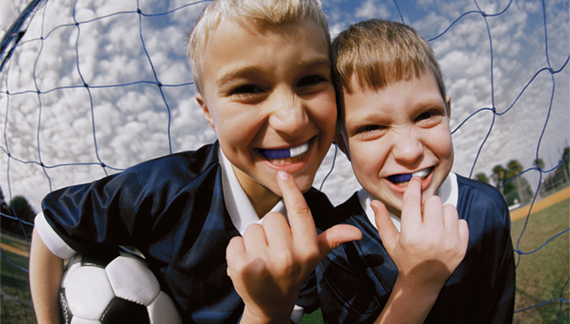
point(56, 132)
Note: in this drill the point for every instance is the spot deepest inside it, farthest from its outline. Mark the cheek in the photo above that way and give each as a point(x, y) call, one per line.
point(367, 160)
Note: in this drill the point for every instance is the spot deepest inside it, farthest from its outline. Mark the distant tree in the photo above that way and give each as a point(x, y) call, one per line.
point(539, 163)
point(514, 169)
point(3, 204)
point(482, 177)
point(498, 176)
point(565, 162)
point(22, 210)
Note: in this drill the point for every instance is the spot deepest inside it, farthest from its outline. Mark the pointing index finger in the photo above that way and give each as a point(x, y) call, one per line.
point(412, 203)
point(298, 212)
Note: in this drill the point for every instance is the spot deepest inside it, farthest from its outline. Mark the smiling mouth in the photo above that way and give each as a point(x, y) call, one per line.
point(284, 156)
point(406, 177)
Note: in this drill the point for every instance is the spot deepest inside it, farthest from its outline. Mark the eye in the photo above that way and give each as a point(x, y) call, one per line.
point(370, 128)
point(246, 89)
point(311, 80)
point(424, 116)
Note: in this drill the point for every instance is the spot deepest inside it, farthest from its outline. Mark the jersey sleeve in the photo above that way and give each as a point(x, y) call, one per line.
point(51, 239)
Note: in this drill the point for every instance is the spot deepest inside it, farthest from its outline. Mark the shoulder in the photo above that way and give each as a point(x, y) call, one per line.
point(481, 203)
point(169, 173)
point(479, 193)
point(343, 213)
point(190, 163)
point(318, 202)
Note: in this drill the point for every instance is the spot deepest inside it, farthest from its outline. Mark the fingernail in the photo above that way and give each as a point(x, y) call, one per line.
point(283, 175)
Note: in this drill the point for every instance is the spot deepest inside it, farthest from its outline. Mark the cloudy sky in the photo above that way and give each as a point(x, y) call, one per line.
point(513, 62)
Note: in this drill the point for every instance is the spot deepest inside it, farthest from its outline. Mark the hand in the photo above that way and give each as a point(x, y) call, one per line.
point(432, 241)
point(269, 264)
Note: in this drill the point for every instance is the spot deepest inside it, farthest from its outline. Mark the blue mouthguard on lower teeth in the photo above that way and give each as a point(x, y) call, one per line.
point(275, 154)
point(400, 177)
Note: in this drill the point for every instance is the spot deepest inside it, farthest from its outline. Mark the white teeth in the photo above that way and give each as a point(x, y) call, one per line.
point(295, 151)
point(422, 173)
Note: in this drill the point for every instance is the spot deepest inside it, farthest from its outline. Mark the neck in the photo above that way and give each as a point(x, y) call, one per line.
point(396, 212)
point(262, 199)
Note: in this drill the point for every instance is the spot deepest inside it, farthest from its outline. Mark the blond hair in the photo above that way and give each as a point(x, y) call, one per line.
point(378, 52)
point(246, 12)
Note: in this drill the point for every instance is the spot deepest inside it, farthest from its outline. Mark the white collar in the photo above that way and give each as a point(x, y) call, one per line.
point(237, 204)
point(448, 192)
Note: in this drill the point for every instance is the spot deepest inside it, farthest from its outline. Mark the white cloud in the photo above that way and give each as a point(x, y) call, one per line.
point(131, 121)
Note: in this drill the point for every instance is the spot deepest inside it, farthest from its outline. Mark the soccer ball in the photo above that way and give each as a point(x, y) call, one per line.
point(113, 288)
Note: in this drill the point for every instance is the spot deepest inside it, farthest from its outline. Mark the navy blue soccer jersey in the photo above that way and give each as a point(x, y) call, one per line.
point(172, 209)
point(354, 282)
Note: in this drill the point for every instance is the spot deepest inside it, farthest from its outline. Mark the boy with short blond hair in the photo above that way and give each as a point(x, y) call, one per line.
point(393, 125)
point(263, 73)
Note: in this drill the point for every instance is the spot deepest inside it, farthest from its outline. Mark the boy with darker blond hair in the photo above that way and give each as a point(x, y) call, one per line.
point(393, 126)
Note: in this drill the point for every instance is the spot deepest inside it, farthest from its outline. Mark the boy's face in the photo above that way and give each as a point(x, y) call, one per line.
point(267, 93)
point(397, 131)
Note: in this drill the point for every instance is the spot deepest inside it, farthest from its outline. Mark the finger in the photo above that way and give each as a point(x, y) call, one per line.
point(450, 219)
point(434, 214)
point(235, 254)
point(254, 239)
point(463, 230)
point(277, 231)
point(412, 204)
point(335, 236)
point(300, 219)
point(386, 229)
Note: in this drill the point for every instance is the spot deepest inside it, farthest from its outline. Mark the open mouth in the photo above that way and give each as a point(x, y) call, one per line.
point(284, 156)
point(406, 177)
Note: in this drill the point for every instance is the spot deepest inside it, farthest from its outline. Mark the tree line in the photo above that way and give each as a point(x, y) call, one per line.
point(12, 212)
point(516, 189)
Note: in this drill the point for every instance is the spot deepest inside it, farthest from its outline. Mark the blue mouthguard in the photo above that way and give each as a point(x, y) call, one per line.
point(400, 177)
point(275, 154)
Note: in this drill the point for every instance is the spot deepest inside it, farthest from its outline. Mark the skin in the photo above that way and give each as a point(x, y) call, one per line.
point(399, 129)
point(46, 270)
point(403, 128)
point(269, 87)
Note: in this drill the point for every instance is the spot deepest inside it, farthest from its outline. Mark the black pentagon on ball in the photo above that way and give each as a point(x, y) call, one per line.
point(121, 311)
point(99, 259)
point(64, 312)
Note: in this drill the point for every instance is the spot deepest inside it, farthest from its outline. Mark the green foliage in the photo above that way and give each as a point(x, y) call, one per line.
point(512, 185)
point(482, 177)
point(19, 209)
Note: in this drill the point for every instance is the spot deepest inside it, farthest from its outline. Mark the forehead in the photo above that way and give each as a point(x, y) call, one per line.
point(238, 49)
point(404, 95)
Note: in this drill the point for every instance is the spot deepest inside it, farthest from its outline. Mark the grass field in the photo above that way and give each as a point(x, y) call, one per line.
point(541, 276)
point(16, 299)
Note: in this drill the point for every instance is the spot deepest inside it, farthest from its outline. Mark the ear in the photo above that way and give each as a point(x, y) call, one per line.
point(448, 105)
point(205, 110)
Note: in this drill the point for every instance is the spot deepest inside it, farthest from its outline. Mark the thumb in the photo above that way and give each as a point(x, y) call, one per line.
point(335, 236)
point(386, 229)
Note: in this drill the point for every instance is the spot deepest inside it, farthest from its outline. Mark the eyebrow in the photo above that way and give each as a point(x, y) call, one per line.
point(251, 71)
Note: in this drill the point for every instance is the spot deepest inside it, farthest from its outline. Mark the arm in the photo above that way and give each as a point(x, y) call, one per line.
point(46, 270)
point(269, 264)
point(426, 252)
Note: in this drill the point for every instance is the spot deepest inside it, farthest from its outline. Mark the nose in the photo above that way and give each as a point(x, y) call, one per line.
point(407, 147)
point(289, 115)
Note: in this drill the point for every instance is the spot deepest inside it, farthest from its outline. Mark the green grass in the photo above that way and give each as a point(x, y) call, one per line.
point(15, 284)
point(540, 276)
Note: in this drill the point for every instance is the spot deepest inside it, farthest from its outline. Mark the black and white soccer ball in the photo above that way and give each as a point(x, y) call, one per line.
point(113, 288)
